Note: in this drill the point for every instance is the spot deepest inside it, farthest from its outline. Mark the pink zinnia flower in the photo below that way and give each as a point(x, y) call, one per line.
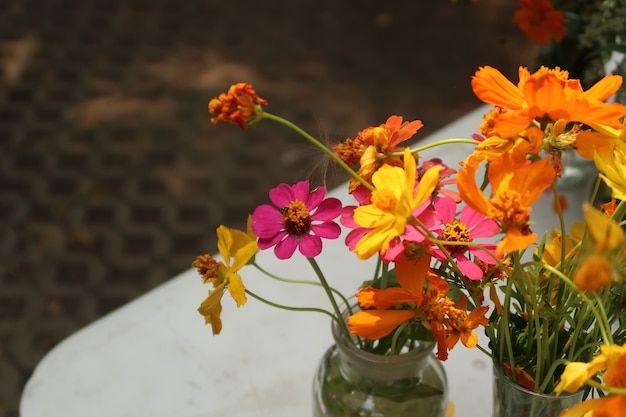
point(470, 225)
point(300, 218)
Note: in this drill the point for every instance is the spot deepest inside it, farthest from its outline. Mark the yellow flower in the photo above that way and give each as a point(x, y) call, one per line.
point(594, 274)
point(239, 246)
point(552, 252)
point(606, 233)
point(611, 162)
point(576, 374)
point(392, 204)
point(603, 137)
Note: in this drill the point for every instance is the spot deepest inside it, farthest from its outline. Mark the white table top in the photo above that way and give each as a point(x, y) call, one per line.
point(155, 357)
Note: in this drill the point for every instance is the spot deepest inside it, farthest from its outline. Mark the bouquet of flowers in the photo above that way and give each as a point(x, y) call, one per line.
point(455, 246)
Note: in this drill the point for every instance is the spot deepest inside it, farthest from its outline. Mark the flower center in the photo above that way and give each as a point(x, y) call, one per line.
point(297, 218)
point(508, 209)
point(456, 231)
point(385, 200)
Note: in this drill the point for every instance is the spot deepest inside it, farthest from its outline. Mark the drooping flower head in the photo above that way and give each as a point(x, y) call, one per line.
point(298, 219)
point(240, 105)
point(393, 203)
point(371, 147)
point(426, 293)
point(546, 93)
point(539, 21)
point(236, 249)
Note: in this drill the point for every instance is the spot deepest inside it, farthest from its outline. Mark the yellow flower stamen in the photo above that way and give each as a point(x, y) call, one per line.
point(509, 208)
point(455, 231)
point(297, 218)
point(384, 200)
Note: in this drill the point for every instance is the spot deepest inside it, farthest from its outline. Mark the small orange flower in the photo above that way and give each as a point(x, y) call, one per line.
point(594, 274)
point(463, 329)
point(371, 147)
point(240, 105)
point(539, 21)
point(426, 293)
point(546, 93)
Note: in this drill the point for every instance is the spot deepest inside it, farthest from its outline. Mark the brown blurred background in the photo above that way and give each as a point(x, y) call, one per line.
point(112, 178)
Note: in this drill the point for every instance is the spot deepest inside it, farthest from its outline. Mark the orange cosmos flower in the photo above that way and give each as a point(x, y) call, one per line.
point(546, 92)
point(463, 329)
point(371, 146)
point(426, 293)
point(538, 20)
point(240, 105)
point(516, 185)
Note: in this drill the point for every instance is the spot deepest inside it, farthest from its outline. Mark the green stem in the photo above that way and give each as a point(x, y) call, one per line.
point(601, 317)
point(284, 307)
point(320, 146)
point(297, 281)
point(340, 320)
point(436, 144)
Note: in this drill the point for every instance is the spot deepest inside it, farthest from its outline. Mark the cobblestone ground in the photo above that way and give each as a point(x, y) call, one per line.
point(112, 178)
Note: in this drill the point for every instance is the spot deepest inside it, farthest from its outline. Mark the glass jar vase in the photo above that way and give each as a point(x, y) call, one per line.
point(351, 382)
point(512, 400)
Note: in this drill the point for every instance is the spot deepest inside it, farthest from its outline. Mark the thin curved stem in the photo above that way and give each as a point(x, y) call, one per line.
point(290, 308)
point(320, 146)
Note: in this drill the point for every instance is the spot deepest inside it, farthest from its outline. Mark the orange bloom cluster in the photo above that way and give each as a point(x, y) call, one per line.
point(546, 93)
point(539, 21)
point(240, 105)
point(425, 294)
point(528, 118)
point(372, 146)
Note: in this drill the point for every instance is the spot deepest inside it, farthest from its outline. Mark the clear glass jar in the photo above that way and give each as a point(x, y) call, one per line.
point(351, 382)
point(512, 400)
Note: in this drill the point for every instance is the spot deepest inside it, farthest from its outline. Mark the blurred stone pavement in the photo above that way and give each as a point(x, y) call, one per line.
point(112, 178)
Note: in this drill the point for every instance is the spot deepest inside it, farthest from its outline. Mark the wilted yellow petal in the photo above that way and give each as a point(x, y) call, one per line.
point(605, 232)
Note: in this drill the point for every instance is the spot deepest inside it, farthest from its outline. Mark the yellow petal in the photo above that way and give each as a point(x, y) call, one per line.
point(237, 289)
point(427, 185)
point(605, 232)
point(243, 255)
point(225, 243)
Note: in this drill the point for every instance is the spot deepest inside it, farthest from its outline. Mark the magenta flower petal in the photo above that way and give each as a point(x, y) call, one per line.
point(347, 217)
point(266, 243)
point(281, 196)
point(354, 236)
point(478, 224)
point(266, 221)
point(484, 256)
point(300, 191)
point(286, 247)
point(468, 268)
point(328, 210)
point(310, 245)
point(327, 230)
point(315, 198)
point(446, 207)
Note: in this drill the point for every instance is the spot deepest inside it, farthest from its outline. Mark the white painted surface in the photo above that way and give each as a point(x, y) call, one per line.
point(155, 357)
